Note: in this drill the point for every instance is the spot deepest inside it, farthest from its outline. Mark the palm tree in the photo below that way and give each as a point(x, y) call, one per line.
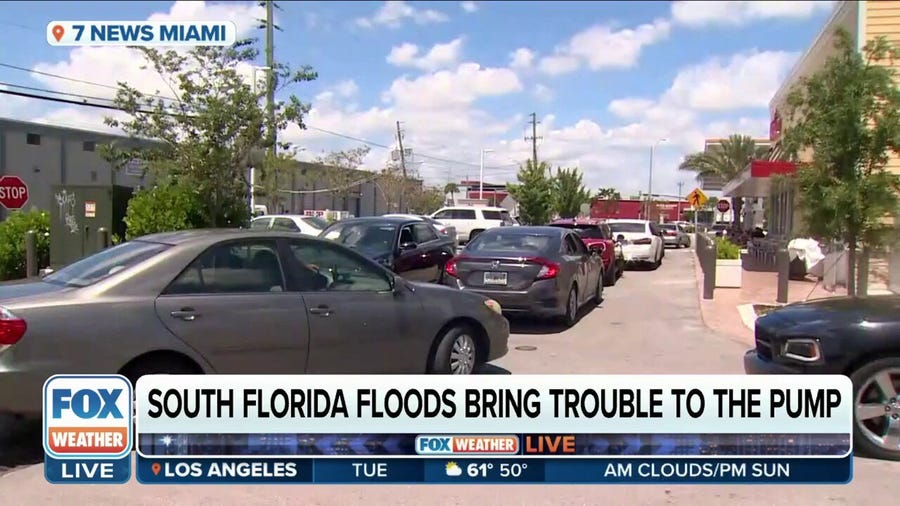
point(726, 162)
point(450, 189)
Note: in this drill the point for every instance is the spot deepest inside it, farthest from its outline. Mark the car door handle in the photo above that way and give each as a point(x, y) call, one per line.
point(186, 313)
point(321, 310)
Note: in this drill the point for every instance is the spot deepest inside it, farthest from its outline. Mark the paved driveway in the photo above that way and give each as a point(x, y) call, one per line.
point(649, 323)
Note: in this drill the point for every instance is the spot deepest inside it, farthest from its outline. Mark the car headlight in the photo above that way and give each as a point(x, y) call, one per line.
point(802, 350)
point(494, 306)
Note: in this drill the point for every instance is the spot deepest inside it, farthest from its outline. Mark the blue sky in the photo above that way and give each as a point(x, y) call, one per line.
point(607, 79)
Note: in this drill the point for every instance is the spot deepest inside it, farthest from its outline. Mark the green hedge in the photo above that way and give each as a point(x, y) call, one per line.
point(727, 250)
point(12, 242)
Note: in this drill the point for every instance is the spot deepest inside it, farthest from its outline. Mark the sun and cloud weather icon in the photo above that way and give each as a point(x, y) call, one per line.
point(453, 469)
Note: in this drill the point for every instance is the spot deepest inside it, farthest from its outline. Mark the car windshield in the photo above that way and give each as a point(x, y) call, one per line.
point(511, 243)
point(371, 239)
point(259, 223)
point(99, 266)
point(628, 227)
point(669, 226)
point(316, 222)
point(589, 231)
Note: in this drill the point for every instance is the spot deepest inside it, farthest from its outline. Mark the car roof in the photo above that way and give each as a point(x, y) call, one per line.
point(483, 208)
point(392, 220)
point(211, 235)
point(292, 216)
point(528, 230)
point(579, 221)
point(621, 220)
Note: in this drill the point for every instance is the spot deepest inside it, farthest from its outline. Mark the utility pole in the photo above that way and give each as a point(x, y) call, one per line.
point(680, 186)
point(534, 138)
point(402, 165)
point(270, 75)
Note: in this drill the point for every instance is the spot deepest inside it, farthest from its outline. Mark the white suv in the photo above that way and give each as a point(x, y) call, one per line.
point(471, 221)
point(306, 225)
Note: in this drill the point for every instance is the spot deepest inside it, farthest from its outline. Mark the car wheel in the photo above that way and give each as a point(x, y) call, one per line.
point(598, 293)
point(876, 418)
point(457, 352)
point(571, 313)
point(611, 276)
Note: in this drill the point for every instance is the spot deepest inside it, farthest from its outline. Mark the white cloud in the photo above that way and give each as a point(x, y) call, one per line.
point(734, 13)
point(543, 93)
point(744, 80)
point(521, 58)
point(630, 108)
point(439, 56)
point(347, 88)
point(603, 47)
point(469, 7)
point(393, 13)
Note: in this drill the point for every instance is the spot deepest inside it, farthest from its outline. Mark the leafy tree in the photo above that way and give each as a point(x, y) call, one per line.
point(534, 193)
point(569, 193)
point(205, 135)
point(395, 188)
point(277, 172)
point(450, 189)
point(610, 198)
point(426, 200)
point(168, 206)
point(341, 171)
point(12, 242)
point(848, 115)
point(726, 162)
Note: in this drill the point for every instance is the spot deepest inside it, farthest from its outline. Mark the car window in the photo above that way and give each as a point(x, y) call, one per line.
point(370, 239)
point(423, 232)
point(607, 233)
point(654, 229)
point(444, 215)
point(316, 222)
point(507, 219)
point(571, 245)
point(492, 215)
point(260, 223)
point(628, 228)
point(590, 232)
point(329, 268)
point(464, 214)
point(233, 267)
point(94, 268)
point(512, 243)
point(406, 235)
point(284, 224)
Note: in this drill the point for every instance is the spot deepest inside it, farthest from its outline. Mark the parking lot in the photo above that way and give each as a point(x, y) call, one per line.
point(648, 323)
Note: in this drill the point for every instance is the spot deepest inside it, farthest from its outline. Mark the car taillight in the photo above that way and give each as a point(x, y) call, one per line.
point(12, 328)
point(642, 241)
point(450, 267)
point(549, 269)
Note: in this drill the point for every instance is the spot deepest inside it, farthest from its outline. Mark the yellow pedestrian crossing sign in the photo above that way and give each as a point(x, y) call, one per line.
point(697, 198)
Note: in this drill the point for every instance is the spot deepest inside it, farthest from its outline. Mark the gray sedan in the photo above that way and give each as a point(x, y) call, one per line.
point(542, 271)
point(235, 302)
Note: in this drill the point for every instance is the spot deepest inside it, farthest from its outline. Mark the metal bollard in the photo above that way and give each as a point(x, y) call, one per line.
point(31, 267)
point(783, 267)
point(709, 273)
point(102, 238)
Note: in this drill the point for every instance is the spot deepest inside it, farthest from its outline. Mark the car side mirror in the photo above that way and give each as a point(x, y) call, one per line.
point(406, 246)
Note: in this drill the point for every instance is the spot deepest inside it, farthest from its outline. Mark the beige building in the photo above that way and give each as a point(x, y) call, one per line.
point(864, 20)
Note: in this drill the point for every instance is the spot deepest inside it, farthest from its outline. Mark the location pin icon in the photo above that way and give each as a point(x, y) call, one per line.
point(155, 467)
point(58, 31)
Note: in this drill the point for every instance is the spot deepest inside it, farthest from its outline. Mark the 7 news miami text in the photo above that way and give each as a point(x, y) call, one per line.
point(148, 33)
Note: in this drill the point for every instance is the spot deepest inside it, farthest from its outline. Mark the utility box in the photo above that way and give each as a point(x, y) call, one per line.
point(76, 215)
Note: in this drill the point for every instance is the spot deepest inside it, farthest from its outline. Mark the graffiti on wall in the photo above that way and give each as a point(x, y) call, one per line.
point(66, 202)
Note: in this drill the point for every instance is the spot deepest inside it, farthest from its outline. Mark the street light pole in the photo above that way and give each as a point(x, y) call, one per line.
point(650, 179)
point(481, 174)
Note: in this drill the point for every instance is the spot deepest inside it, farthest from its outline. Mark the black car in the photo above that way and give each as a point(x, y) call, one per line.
point(858, 337)
point(541, 271)
point(411, 248)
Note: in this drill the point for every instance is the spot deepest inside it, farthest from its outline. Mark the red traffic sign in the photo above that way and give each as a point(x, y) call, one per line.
point(723, 206)
point(13, 192)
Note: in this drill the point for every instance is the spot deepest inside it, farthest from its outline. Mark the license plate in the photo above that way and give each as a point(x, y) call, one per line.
point(495, 278)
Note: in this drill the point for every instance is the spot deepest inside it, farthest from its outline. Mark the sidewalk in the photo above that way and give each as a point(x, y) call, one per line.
point(730, 311)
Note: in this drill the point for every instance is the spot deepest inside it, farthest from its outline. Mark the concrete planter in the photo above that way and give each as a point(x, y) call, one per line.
point(728, 273)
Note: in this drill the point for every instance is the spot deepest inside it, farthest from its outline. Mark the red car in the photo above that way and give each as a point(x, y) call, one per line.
point(596, 231)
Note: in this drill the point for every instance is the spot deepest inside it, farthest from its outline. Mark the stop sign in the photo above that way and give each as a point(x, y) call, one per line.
point(13, 192)
point(723, 206)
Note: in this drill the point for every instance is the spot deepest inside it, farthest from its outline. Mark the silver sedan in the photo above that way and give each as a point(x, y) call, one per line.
point(235, 302)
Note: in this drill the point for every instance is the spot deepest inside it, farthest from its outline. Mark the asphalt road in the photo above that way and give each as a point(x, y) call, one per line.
point(649, 323)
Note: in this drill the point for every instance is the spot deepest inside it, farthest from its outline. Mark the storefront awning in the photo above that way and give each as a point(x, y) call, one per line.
point(756, 179)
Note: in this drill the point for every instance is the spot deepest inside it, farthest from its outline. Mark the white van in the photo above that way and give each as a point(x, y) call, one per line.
point(472, 220)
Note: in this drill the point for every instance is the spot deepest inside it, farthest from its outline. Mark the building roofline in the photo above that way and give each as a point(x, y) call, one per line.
point(60, 128)
point(839, 9)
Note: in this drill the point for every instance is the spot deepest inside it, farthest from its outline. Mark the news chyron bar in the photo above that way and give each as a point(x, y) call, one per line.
point(573, 429)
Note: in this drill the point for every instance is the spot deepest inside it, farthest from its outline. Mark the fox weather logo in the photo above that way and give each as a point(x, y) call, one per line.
point(87, 416)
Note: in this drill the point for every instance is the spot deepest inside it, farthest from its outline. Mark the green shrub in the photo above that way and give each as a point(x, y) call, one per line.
point(163, 208)
point(12, 242)
point(727, 250)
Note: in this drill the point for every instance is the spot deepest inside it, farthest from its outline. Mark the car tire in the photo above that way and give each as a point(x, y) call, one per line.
point(457, 352)
point(571, 314)
point(611, 275)
point(864, 431)
point(598, 292)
